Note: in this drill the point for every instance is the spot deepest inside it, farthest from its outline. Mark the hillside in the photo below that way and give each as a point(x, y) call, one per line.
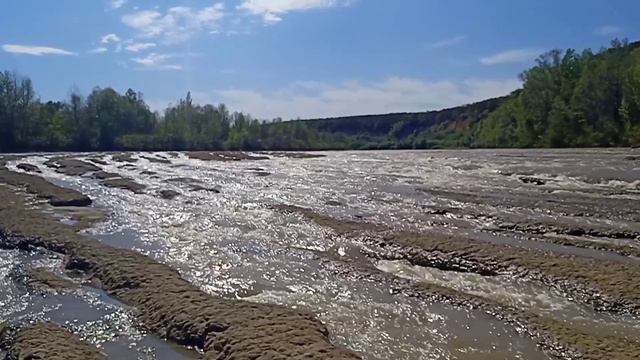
point(446, 128)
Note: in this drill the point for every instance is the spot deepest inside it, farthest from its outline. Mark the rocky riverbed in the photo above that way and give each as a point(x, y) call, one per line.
point(373, 255)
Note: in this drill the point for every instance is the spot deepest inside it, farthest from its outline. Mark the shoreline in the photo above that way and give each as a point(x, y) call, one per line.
point(631, 149)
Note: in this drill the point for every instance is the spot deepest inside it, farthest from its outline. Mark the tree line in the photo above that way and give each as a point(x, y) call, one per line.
point(571, 99)
point(106, 120)
point(567, 99)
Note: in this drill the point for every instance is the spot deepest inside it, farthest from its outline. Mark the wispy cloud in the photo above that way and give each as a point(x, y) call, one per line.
point(35, 50)
point(98, 50)
point(607, 30)
point(511, 56)
point(110, 38)
point(135, 47)
point(177, 24)
point(273, 10)
point(445, 42)
point(312, 99)
point(116, 4)
point(156, 61)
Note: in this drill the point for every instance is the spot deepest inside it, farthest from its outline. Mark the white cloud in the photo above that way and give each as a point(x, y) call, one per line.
point(135, 47)
point(98, 50)
point(116, 4)
point(110, 38)
point(445, 42)
point(313, 99)
point(35, 50)
point(511, 56)
point(272, 10)
point(210, 14)
point(177, 24)
point(156, 61)
point(607, 30)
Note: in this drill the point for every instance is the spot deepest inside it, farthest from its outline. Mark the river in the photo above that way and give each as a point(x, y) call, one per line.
point(230, 242)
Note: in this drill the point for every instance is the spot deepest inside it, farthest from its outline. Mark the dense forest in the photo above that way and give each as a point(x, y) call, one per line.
point(571, 99)
point(568, 99)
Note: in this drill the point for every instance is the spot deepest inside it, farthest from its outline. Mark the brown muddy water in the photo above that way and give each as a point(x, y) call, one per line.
point(231, 243)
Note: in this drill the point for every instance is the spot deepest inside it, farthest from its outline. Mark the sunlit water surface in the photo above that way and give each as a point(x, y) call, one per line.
point(231, 244)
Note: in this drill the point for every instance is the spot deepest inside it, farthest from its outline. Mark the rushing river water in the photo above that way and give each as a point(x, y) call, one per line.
point(232, 244)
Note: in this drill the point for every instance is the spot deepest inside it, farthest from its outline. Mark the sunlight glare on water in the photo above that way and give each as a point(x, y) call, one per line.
point(231, 244)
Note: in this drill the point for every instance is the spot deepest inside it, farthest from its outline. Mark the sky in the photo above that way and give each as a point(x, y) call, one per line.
point(299, 58)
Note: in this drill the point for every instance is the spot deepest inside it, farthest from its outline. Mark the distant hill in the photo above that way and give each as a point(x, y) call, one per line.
point(406, 123)
point(409, 130)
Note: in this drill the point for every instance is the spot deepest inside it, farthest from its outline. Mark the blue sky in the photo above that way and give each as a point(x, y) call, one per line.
point(299, 58)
